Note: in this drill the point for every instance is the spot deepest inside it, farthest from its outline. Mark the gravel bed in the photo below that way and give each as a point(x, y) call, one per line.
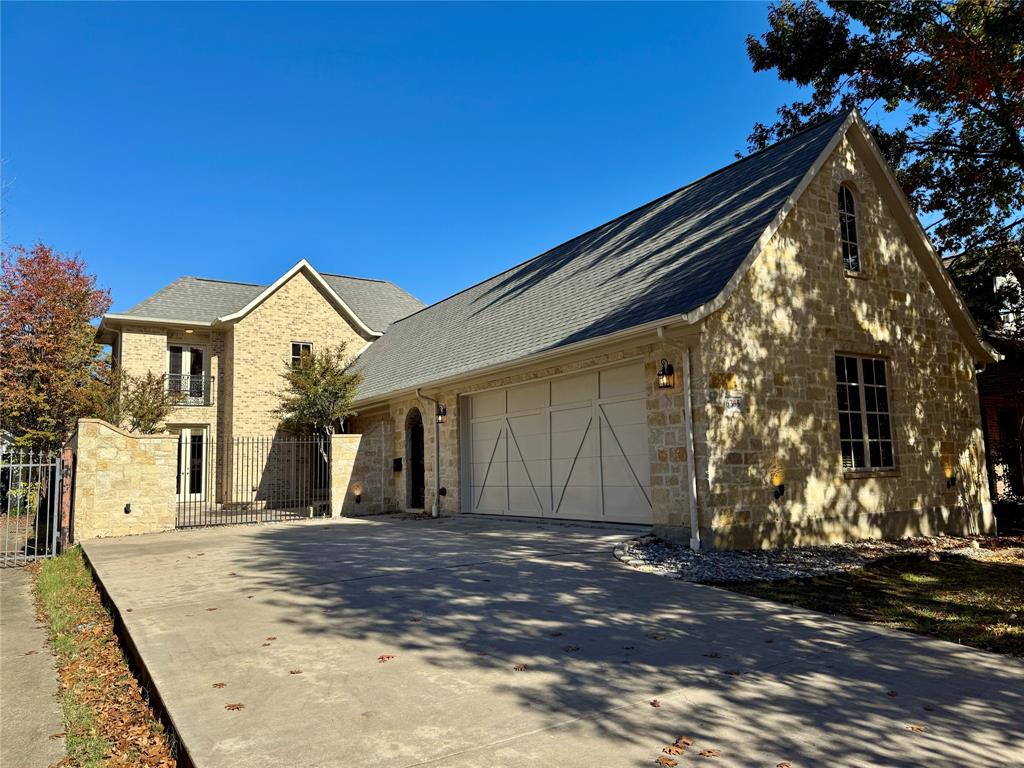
point(678, 561)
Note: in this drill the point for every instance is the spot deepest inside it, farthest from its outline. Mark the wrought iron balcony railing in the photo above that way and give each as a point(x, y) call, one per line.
point(191, 388)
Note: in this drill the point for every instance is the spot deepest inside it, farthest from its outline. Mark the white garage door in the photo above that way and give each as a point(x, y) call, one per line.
point(573, 447)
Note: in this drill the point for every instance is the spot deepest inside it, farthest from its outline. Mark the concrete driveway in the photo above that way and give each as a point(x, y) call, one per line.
point(293, 619)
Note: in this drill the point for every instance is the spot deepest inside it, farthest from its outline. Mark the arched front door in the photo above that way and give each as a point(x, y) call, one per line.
point(415, 480)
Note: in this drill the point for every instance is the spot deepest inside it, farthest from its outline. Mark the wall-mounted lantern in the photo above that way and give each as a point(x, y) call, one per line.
point(442, 414)
point(357, 492)
point(778, 480)
point(666, 375)
point(947, 470)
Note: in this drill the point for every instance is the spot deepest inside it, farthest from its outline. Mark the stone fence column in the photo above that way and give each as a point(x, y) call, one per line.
point(344, 450)
point(124, 483)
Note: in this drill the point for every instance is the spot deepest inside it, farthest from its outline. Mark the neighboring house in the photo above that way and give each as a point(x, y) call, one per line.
point(772, 354)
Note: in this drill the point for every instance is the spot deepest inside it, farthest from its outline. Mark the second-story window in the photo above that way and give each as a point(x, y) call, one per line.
point(299, 349)
point(848, 230)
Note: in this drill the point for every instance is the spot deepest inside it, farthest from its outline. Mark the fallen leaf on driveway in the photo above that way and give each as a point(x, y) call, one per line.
point(219, 685)
point(667, 761)
point(520, 667)
point(732, 672)
point(60, 735)
point(31, 653)
point(712, 655)
point(918, 728)
point(710, 752)
point(570, 648)
point(211, 609)
point(784, 765)
point(234, 707)
point(672, 749)
point(294, 671)
point(684, 742)
point(891, 694)
point(385, 657)
point(655, 703)
point(656, 637)
point(271, 638)
point(929, 708)
point(266, 644)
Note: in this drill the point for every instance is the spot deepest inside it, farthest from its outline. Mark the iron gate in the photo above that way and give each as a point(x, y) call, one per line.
point(30, 505)
point(250, 479)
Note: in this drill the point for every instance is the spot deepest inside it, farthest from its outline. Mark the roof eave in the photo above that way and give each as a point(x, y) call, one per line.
point(143, 320)
point(672, 321)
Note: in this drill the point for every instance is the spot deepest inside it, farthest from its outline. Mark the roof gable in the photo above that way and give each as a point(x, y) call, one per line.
point(201, 301)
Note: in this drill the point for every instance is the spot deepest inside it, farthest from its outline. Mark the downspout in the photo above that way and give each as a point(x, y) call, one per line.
point(691, 471)
point(436, 509)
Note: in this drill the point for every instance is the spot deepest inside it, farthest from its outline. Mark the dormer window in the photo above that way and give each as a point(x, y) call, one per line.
point(848, 230)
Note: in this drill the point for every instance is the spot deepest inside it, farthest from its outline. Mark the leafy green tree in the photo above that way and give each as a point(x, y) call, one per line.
point(318, 393)
point(136, 403)
point(47, 301)
point(948, 78)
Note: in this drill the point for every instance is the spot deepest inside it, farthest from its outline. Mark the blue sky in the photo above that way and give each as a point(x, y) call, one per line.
point(431, 145)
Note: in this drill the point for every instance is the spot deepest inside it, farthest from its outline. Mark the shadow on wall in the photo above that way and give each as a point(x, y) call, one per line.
point(416, 587)
point(776, 341)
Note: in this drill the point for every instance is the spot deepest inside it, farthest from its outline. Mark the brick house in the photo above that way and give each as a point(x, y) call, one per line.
point(772, 354)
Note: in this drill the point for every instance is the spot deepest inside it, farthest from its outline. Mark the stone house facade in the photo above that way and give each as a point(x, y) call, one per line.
point(772, 355)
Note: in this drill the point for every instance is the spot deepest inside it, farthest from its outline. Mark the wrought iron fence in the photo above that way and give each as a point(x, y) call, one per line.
point(30, 491)
point(191, 388)
point(251, 479)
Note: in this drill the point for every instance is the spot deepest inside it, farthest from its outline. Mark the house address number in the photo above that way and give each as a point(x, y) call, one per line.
point(734, 401)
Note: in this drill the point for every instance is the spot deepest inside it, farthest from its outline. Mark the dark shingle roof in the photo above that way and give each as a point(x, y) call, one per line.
point(665, 258)
point(196, 300)
point(376, 302)
point(199, 300)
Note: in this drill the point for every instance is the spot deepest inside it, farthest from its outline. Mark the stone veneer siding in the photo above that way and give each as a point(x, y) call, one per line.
point(114, 468)
point(260, 348)
point(775, 340)
point(667, 449)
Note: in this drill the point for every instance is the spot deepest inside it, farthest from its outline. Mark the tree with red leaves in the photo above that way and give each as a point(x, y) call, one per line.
point(47, 301)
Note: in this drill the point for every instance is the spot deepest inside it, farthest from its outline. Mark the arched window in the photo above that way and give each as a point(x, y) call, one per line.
point(848, 230)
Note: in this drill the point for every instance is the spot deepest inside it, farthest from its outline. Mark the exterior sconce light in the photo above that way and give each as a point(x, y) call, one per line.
point(778, 483)
point(947, 470)
point(666, 375)
point(357, 492)
point(442, 414)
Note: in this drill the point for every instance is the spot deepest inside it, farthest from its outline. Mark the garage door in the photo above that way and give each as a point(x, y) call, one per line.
point(573, 447)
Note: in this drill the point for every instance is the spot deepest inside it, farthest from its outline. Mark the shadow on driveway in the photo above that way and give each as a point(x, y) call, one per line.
point(294, 618)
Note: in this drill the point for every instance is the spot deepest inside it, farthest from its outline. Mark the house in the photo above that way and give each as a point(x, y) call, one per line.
point(772, 354)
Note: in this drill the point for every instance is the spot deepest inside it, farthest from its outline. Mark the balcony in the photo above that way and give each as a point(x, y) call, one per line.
point(191, 389)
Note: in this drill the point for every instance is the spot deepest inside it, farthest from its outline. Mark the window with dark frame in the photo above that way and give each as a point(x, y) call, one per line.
point(300, 348)
point(865, 427)
point(848, 230)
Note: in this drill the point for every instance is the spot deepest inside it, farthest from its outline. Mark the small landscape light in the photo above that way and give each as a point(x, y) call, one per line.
point(778, 480)
point(666, 375)
point(442, 414)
